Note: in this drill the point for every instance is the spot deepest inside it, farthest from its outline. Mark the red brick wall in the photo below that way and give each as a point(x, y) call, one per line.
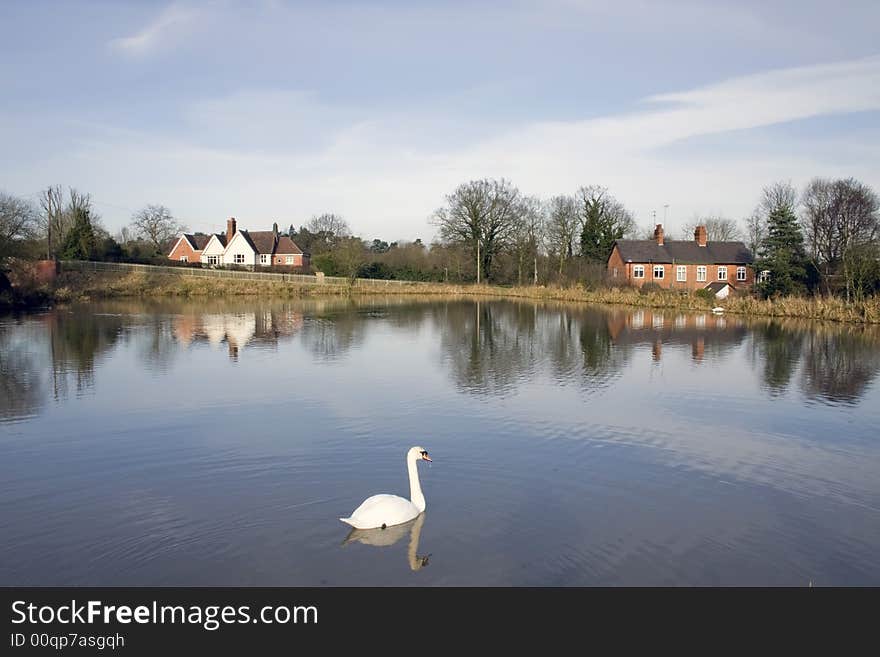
point(182, 248)
point(625, 273)
point(297, 260)
point(617, 269)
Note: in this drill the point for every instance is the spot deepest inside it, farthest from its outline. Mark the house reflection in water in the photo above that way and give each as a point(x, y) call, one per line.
point(657, 328)
point(237, 329)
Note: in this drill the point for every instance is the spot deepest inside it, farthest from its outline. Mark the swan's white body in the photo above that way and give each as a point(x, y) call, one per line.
point(388, 510)
point(717, 310)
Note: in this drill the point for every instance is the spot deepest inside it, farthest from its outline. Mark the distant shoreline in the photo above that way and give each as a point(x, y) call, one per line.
point(86, 286)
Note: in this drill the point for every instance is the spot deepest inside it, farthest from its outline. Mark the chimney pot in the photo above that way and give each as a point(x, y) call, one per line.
point(230, 229)
point(658, 234)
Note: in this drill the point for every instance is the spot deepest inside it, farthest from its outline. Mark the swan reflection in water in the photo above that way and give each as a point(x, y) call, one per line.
point(391, 535)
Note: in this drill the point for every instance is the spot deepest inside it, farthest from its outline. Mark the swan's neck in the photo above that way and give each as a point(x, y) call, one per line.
point(415, 488)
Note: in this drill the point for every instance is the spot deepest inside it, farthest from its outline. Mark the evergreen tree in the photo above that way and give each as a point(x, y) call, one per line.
point(80, 242)
point(783, 254)
point(603, 221)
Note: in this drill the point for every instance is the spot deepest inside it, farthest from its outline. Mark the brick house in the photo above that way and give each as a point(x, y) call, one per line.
point(254, 248)
point(188, 248)
point(681, 264)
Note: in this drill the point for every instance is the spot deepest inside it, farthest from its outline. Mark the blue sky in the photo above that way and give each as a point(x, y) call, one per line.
point(274, 111)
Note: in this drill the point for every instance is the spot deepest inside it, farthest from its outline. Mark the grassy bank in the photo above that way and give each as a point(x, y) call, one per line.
point(82, 286)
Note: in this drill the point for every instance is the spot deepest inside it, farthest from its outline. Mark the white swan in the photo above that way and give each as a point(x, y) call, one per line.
point(387, 510)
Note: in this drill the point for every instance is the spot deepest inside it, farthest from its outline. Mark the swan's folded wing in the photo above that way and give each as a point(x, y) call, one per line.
point(381, 510)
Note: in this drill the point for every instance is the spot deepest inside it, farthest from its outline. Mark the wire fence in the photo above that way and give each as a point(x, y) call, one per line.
point(269, 277)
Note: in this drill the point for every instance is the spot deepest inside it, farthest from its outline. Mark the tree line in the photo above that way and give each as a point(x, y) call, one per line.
point(65, 225)
point(822, 239)
point(825, 239)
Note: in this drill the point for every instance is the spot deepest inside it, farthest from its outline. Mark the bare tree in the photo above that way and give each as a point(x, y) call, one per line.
point(483, 214)
point(840, 222)
point(778, 197)
point(718, 228)
point(526, 237)
point(79, 202)
point(562, 228)
point(756, 230)
point(54, 220)
point(332, 224)
point(156, 225)
point(18, 222)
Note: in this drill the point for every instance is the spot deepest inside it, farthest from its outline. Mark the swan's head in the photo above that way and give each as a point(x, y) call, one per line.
point(417, 453)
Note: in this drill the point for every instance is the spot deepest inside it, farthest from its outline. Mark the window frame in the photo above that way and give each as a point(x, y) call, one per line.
point(639, 271)
point(681, 273)
point(215, 259)
point(662, 271)
point(702, 273)
point(288, 260)
point(722, 268)
point(184, 258)
point(238, 259)
point(744, 272)
point(265, 259)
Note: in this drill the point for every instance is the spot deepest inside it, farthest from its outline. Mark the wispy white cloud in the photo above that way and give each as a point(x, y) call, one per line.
point(387, 172)
point(167, 23)
point(739, 104)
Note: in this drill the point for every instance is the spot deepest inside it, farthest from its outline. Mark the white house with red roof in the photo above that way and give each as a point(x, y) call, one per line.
point(254, 248)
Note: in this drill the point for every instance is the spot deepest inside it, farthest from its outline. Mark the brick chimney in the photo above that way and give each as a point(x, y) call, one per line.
point(701, 236)
point(230, 229)
point(658, 234)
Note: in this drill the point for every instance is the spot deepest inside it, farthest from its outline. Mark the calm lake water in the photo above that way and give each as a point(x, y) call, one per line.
point(218, 443)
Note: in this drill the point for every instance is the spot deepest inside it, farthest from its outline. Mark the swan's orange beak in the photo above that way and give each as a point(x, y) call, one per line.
point(425, 457)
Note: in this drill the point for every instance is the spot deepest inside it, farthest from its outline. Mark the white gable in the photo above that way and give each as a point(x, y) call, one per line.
point(213, 248)
point(723, 293)
point(238, 246)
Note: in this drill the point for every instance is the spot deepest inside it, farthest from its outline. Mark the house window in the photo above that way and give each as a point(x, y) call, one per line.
point(681, 273)
point(701, 274)
point(764, 276)
point(238, 258)
point(722, 273)
point(265, 259)
point(614, 272)
point(289, 260)
point(638, 271)
point(213, 260)
point(184, 258)
point(658, 271)
point(740, 273)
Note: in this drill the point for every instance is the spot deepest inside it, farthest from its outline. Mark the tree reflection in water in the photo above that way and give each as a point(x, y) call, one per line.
point(488, 347)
